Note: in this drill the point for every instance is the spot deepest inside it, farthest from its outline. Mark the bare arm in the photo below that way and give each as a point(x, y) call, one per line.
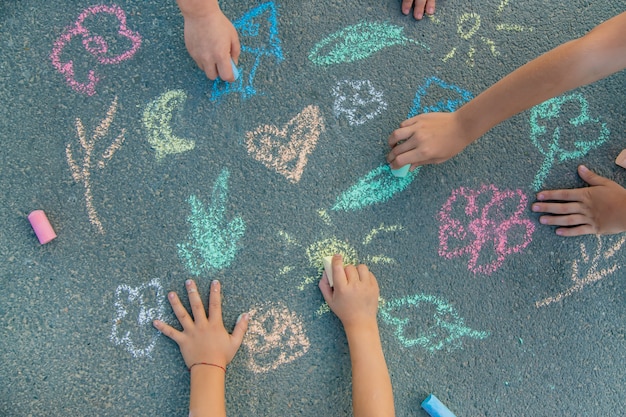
point(354, 299)
point(206, 347)
point(435, 137)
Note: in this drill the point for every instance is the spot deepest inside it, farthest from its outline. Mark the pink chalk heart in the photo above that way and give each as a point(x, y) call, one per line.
point(287, 150)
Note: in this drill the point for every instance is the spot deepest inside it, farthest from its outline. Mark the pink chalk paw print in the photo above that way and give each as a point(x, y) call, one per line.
point(95, 45)
point(484, 224)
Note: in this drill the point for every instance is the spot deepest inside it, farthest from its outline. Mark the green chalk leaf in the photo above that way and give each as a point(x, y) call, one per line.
point(358, 42)
point(377, 186)
point(213, 240)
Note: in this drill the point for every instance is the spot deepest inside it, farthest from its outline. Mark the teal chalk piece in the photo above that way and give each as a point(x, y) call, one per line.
point(550, 144)
point(358, 42)
point(457, 97)
point(213, 241)
point(377, 186)
point(402, 171)
point(446, 332)
point(436, 408)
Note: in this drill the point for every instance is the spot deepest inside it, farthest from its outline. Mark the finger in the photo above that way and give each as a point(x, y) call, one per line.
point(168, 330)
point(404, 147)
point(197, 308)
point(235, 50)
point(573, 195)
point(418, 10)
point(558, 208)
point(398, 135)
point(339, 273)
point(225, 71)
point(585, 229)
point(406, 6)
point(325, 288)
point(430, 7)
point(211, 71)
point(215, 303)
point(363, 273)
point(591, 177)
point(181, 312)
point(352, 274)
point(240, 329)
point(568, 220)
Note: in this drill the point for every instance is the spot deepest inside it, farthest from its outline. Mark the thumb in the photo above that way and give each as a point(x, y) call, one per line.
point(591, 177)
point(240, 328)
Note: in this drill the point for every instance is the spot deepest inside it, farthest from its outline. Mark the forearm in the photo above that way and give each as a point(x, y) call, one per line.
point(579, 62)
point(207, 397)
point(197, 8)
point(372, 394)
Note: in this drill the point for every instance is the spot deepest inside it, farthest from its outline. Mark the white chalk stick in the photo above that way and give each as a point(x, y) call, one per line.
point(328, 267)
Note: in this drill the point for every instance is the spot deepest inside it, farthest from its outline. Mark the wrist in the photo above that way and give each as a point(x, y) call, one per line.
point(195, 9)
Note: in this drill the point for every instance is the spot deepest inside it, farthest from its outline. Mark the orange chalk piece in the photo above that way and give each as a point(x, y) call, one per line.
point(621, 159)
point(44, 231)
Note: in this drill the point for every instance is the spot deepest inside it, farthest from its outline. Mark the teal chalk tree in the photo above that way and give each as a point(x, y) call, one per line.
point(213, 240)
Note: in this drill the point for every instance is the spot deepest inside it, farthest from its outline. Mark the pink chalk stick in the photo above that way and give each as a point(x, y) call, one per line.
point(44, 231)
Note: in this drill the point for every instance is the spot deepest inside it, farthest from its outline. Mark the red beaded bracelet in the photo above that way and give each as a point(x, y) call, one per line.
point(208, 364)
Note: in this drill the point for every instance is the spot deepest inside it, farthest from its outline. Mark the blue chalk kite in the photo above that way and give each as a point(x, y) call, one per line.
point(436, 408)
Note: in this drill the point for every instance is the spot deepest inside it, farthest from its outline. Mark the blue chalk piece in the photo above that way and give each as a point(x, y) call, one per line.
point(402, 171)
point(235, 70)
point(435, 408)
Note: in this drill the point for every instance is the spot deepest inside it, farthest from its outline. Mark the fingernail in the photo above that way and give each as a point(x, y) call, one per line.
point(559, 232)
point(621, 159)
point(156, 323)
point(188, 282)
point(243, 316)
point(214, 282)
point(543, 220)
point(171, 296)
point(541, 197)
point(583, 168)
point(535, 207)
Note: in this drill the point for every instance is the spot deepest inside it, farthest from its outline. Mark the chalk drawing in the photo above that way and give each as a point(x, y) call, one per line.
point(427, 97)
point(275, 337)
point(258, 35)
point(157, 118)
point(487, 229)
point(591, 265)
point(328, 245)
point(550, 145)
point(445, 330)
point(213, 240)
point(468, 25)
point(95, 45)
point(359, 101)
point(83, 174)
point(135, 309)
point(358, 42)
point(287, 150)
point(377, 186)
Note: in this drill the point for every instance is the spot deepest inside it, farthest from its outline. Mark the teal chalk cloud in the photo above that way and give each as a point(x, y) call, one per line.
point(377, 186)
point(358, 42)
point(445, 330)
point(548, 114)
point(213, 241)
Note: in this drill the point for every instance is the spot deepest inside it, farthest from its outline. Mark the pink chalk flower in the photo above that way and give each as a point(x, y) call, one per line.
point(485, 224)
point(96, 45)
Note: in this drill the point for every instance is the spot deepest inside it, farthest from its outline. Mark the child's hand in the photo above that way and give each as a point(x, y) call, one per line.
point(420, 8)
point(203, 339)
point(598, 209)
point(428, 138)
point(211, 41)
point(354, 297)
